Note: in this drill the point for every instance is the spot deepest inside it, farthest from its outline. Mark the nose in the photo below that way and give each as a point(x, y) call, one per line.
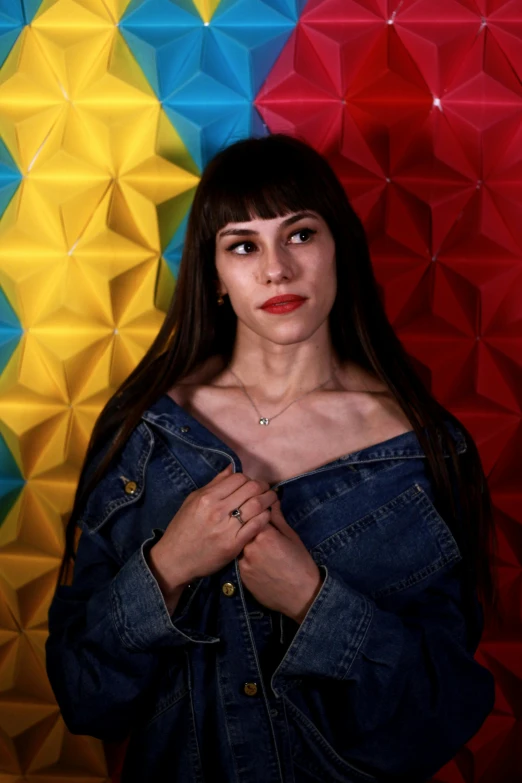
point(276, 264)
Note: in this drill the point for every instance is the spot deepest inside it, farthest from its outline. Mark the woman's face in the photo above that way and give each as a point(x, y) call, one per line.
point(259, 259)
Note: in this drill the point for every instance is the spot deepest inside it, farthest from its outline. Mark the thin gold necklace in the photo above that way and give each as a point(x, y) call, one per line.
point(263, 419)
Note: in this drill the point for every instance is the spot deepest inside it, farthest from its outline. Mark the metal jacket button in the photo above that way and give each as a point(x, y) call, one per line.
point(250, 688)
point(185, 428)
point(131, 487)
point(228, 588)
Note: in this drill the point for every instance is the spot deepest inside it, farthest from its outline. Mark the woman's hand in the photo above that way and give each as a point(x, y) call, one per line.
point(202, 537)
point(278, 569)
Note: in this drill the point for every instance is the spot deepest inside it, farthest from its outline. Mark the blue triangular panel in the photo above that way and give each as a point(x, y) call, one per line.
point(173, 251)
point(159, 13)
point(10, 177)
point(10, 331)
point(12, 20)
point(11, 481)
point(207, 75)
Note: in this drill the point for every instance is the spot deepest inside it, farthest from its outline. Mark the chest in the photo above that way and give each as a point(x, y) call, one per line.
point(370, 517)
point(372, 521)
point(313, 434)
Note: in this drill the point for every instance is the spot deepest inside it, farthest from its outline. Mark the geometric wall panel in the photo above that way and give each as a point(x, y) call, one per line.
point(13, 16)
point(206, 74)
point(10, 177)
point(419, 110)
point(11, 481)
point(109, 110)
point(10, 330)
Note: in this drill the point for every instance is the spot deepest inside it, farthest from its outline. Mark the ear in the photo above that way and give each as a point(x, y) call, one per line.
point(219, 286)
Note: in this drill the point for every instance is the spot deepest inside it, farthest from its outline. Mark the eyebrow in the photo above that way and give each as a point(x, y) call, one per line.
point(242, 232)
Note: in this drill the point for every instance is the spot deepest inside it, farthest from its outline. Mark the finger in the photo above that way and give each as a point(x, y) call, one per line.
point(222, 474)
point(278, 521)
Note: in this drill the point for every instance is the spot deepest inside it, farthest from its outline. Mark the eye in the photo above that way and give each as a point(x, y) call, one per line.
point(232, 248)
point(303, 231)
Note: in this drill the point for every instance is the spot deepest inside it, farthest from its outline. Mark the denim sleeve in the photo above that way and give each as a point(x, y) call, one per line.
point(392, 693)
point(106, 633)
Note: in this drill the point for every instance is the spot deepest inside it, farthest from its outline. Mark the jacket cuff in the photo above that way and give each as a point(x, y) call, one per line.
point(140, 613)
point(327, 641)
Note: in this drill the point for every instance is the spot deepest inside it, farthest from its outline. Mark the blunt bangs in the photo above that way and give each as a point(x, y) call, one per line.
point(244, 182)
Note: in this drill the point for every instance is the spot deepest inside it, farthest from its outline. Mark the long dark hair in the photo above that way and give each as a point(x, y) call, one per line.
point(269, 177)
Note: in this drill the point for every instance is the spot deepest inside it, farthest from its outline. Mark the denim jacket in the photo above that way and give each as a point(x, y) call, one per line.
point(379, 681)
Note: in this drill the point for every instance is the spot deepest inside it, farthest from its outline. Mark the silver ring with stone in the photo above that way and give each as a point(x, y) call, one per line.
point(237, 514)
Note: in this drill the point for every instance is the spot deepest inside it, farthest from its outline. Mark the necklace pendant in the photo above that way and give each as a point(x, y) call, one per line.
point(263, 421)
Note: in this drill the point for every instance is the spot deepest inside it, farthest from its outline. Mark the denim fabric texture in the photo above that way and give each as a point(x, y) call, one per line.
point(378, 683)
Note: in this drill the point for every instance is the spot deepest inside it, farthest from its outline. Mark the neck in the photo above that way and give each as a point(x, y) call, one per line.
point(274, 373)
point(276, 388)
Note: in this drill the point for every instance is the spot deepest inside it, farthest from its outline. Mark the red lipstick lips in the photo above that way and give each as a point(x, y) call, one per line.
point(284, 303)
point(278, 300)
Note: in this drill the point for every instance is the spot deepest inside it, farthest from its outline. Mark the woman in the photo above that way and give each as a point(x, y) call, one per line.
point(306, 606)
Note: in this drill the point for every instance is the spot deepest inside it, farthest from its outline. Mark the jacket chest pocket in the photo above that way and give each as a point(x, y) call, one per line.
point(392, 547)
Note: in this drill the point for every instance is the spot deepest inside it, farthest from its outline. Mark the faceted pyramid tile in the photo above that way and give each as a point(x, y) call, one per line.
point(360, 75)
point(206, 73)
point(295, 102)
point(342, 33)
point(11, 480)
point(485, 79)
point(10, 331)
point(14, 14)
point(255, 28)
point(172, 254)
point(437, 49)
point(505, 26)
point(10, 177)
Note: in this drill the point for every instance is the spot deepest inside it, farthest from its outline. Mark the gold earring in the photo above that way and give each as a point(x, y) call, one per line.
point(220, 300)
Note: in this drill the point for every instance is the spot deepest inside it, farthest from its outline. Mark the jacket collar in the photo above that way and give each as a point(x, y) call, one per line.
point(170, 416)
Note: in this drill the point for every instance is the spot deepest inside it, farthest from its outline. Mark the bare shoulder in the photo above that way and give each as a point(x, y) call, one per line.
point(202, 375)
point(375, 406)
